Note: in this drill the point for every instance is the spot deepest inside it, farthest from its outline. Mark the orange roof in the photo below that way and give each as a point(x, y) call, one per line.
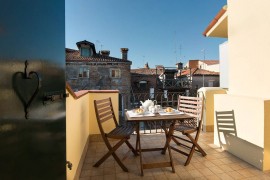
point(197, 71)
point(211, 62)
point(146, 71)
point(215, 20)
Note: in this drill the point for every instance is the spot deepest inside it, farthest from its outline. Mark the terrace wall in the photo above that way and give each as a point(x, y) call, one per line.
point(81, 125)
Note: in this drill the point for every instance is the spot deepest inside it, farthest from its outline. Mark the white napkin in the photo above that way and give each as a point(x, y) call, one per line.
point(162, 113)
point(132, 114)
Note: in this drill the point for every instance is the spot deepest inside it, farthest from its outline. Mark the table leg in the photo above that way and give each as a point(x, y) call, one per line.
point(138, 145)
point(166, 134)
point(168, 140)
point(137, 135)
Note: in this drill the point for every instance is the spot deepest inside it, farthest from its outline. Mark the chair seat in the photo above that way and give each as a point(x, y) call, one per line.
point(185, 129)
point(121, 132)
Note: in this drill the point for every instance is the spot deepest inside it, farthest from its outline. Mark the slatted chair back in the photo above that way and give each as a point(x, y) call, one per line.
point(192, 106)
point(104, 113)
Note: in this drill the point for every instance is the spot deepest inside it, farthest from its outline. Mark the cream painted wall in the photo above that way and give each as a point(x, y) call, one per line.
point(266, 164)
point(208, 110)
point(249, 47)
point(93, 126)
point(77, 130)
point(80, 123)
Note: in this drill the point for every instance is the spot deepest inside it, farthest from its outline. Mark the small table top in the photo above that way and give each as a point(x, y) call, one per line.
point(158, 117)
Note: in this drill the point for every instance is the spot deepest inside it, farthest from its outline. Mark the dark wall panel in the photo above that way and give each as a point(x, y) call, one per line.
point(33, 148)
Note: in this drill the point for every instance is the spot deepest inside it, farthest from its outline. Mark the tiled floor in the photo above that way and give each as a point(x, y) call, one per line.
point(217, 164)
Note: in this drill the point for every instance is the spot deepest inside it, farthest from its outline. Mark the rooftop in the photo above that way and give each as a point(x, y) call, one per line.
point(197, 71)
point(146, 71)
point(211, 62)
point(74, 55)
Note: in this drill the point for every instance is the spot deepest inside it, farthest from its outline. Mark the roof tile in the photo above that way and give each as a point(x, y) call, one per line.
point(197, 71)
point(74, 55)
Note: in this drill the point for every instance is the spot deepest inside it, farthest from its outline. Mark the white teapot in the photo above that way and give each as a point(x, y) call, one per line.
point(148, 103)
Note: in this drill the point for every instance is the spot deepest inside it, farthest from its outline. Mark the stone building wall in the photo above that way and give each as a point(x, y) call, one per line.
point(197, 81)
point(151, 82)
point(99, 76)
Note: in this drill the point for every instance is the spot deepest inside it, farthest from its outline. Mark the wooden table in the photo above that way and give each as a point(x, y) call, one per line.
point(168, 134)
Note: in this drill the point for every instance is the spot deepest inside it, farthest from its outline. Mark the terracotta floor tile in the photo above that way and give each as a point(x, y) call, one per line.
point(186, 176)
point(195, 173)
point(245, 173)
point(86, 173)
point(253, 178)
point(97, 178)
point(236, 175)
point(212, 177)
point(123, 175)
point(225, 176)
point(109, 177)
point(218, 164)
point(225, 168)
point(85, 178)
point(216, 170)
point(97, 171)
point(172, 176)
point(206, 171)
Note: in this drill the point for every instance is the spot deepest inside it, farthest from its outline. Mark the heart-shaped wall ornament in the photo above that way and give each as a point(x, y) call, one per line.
point(26, 86)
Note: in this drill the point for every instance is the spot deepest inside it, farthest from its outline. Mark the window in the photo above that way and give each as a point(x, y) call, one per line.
point(86, 52)
point(84, 72)
point(115, 73)
point(210, 83)
point(143, 85)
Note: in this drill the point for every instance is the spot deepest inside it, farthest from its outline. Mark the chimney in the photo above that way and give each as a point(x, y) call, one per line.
point(146, 66)
point(105, 52)
point(124, 53)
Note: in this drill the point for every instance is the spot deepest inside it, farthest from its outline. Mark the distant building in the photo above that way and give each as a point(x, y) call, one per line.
point(196, 78)
point(158, 79)
point(210, 65)
point(143, 79)
point(87, 69)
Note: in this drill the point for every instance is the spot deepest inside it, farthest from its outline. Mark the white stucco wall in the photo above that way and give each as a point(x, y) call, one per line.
point(247, 118)
point(214, 67)
point(224, 65)
point(249, 47)
point(248, 51)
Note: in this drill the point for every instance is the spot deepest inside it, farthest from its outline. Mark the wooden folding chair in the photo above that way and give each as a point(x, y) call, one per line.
point(104, 113)
point(192, 106)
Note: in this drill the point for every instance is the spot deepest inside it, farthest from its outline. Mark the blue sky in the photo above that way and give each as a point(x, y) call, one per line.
point(160, 32)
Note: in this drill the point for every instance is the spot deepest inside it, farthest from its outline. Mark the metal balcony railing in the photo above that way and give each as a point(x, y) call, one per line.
point(130, 101)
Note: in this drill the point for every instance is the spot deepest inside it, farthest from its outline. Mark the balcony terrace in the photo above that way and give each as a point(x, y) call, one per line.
point(85, 147)
point(218, 164)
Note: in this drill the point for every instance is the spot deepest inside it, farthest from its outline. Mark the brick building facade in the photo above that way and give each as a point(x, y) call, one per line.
point(143, 79)
point(199, 78)
point(87, 69)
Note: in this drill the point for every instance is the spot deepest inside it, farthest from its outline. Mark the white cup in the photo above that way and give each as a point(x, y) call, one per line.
point(154, 110)
point(157, 107)
point(150, 108)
